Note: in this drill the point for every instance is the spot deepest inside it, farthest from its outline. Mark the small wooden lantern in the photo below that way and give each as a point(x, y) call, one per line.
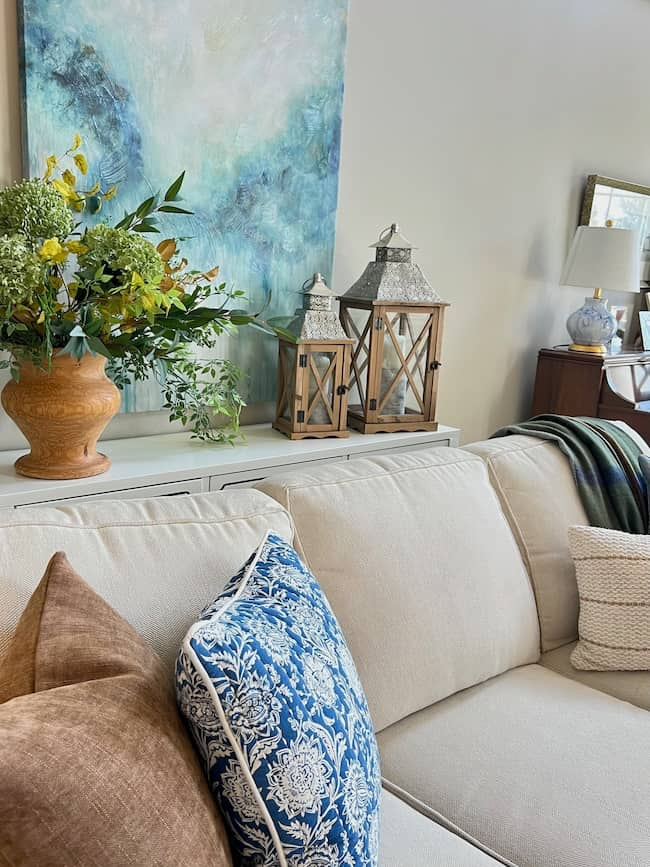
point(314, 369)
point(395, 317)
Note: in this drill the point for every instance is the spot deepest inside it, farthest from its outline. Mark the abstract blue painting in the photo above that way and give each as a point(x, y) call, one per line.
point(245, 95)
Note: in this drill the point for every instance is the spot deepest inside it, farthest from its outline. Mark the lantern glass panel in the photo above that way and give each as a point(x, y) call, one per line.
point(358, 325)
point(321, 372)
point(288, 368)
point(404, 362)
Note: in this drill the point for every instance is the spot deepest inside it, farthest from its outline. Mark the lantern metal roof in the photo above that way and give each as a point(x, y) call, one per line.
point(392, 237)
point(393, 276)
point(317, 320)
point(314, 288)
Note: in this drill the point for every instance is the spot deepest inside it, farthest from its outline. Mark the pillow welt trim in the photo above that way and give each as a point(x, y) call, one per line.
point(187, 648)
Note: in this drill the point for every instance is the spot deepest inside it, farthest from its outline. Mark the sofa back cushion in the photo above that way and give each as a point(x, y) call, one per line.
point(421, 569)
point(157, 561)
point(539, 497)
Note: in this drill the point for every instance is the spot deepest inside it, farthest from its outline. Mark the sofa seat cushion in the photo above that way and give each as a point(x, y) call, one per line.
point(632, 686)
point(156, 561)
point(539, 768)
point(421, 568)
point(410, 839)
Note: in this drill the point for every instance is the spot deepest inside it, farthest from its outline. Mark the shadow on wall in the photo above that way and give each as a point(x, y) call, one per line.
point(538, 322)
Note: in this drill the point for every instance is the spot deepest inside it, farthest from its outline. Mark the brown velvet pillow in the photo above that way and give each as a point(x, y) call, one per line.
point(95, 765)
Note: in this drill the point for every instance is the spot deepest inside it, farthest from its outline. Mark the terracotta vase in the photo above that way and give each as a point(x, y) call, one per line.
point(62, 413)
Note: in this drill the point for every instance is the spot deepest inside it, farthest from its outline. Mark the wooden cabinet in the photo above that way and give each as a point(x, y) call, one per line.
point(600, 386)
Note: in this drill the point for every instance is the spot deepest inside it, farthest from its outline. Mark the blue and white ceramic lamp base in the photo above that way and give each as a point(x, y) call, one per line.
point(592, 326)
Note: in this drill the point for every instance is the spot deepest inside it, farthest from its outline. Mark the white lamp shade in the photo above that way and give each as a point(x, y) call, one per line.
point(604, 258)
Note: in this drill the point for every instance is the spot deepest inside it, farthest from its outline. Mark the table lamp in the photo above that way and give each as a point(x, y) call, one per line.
point(600, 258)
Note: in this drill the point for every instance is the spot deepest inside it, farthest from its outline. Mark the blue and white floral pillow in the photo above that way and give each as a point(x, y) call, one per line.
point(268, 687)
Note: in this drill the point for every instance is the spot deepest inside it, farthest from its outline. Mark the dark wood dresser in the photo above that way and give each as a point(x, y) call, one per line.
point(601, 386)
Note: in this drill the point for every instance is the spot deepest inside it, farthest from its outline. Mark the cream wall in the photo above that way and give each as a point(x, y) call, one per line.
point(474, 124)
point(9, 113)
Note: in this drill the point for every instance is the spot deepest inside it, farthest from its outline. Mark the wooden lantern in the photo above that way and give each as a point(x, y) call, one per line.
point(314, 369)
point(395, 318)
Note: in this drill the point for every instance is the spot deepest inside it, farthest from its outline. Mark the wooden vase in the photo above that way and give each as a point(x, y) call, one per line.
point(62, 413)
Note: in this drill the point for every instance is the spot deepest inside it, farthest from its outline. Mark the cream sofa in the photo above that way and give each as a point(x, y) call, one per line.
point(449, 572)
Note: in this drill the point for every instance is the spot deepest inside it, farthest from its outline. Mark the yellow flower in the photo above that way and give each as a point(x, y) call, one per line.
point(81, 163)
point(149, 301)
point(75, 247)
point(110, 193)
point(64, 189)
point(52, 251)
point(50, 164)
point(69, 178)
point(76, 142)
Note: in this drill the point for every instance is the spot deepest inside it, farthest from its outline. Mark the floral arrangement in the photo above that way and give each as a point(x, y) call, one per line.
point(70, 288)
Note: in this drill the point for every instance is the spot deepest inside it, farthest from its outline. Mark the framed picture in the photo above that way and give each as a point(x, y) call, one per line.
point(644, 321)
point(246, 96)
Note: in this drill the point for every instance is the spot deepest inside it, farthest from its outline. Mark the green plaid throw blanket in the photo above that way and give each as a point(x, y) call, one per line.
point(605, 465)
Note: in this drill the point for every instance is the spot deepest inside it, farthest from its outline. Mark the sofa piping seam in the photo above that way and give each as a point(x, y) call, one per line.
point(297, 486)
point(297, 534)
point(520, 448)
point(441, 820)
point(519, 536)
point(162, 523)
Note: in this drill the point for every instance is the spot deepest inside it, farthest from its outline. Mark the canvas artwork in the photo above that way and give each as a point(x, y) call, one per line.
point(246, 96)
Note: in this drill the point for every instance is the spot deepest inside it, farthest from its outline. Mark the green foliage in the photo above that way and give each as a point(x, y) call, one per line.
point(144, 220)
point(34, 209)
point(196, 390)
point(22, 273)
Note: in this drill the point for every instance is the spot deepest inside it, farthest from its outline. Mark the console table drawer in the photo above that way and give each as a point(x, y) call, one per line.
point(247, 479)
point(170, 489)
point(371, 453)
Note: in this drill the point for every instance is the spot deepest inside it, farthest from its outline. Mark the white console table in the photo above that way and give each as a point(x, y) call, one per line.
point(175, 464)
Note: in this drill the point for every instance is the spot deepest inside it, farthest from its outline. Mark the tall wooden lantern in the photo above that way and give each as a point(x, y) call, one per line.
point(314, 369)
point(395, 317)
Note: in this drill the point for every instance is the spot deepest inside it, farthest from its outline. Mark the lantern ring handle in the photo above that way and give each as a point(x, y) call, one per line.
point(389, 230)
point(311, 280)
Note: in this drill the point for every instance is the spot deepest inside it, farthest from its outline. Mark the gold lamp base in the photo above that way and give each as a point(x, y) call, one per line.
point(597, 349)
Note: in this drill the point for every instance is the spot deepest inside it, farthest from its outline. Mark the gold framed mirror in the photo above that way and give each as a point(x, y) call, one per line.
point(626, 205)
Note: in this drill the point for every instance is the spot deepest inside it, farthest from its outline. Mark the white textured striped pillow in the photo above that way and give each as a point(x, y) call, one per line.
point(613, 574)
